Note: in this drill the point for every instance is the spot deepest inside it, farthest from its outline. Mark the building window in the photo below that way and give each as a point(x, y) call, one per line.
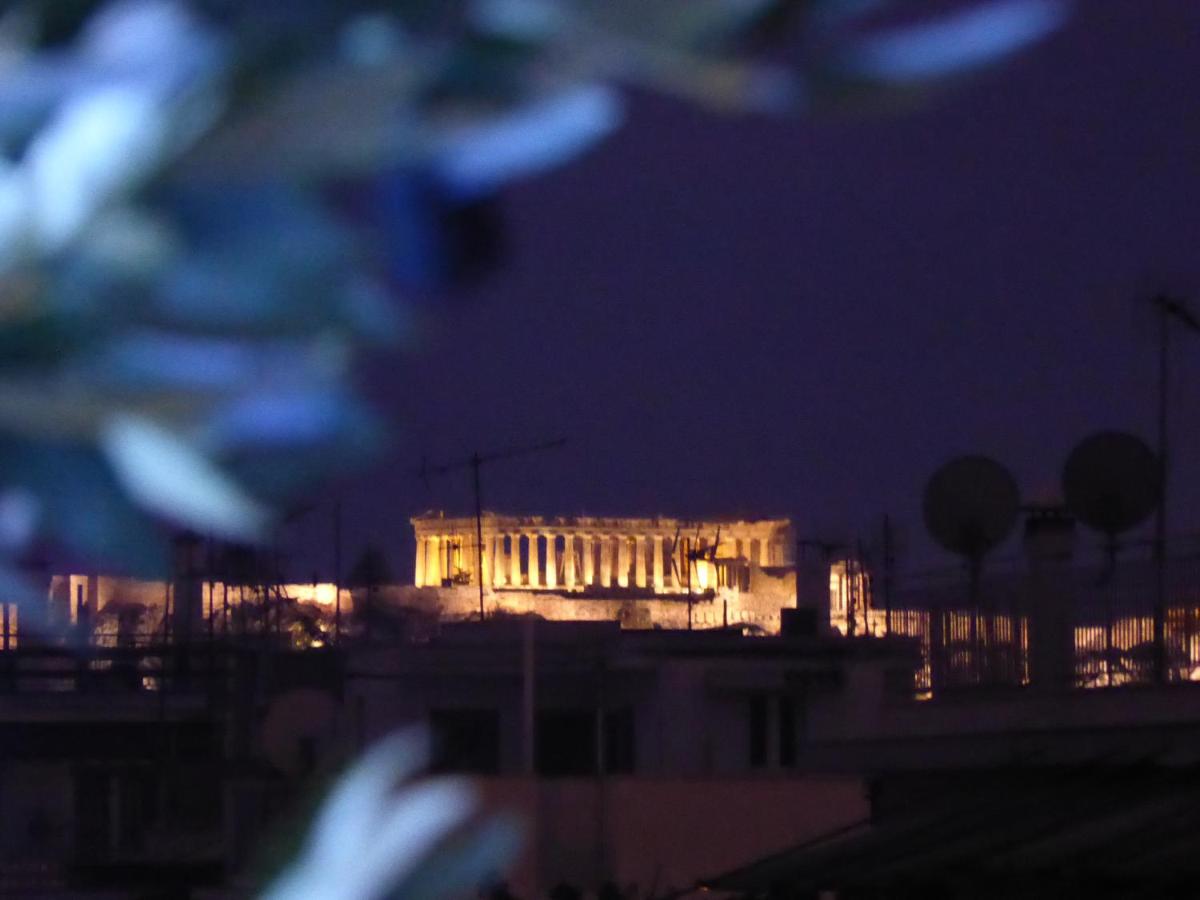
point(787, 731)
point(758, 731)
point(620, 748)
point(566, 742)
point(776, 727)
point(466, 740)
point(93, 817)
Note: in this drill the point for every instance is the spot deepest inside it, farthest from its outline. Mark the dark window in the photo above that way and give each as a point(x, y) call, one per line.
point(466, 740)
point(92, 815)
point(619, 743)
point(758, 730)
point(787, 731)
point(566, 742)
point(193, 798)
point(138, 800)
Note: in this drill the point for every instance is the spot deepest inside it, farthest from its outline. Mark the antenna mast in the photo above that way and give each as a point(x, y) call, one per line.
point(1168, 308)
point(475, 462)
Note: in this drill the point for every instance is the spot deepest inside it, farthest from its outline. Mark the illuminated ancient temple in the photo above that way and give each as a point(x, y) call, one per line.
point(664, 556)
point(642, 572)
point(635, 569)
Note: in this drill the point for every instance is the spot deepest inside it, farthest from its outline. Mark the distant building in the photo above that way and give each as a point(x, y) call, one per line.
point(648, 759)
point(626, 752)
point(641, 572)
point(644, 572)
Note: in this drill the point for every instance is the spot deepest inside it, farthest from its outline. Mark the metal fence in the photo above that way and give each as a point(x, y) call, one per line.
point(1090, 626)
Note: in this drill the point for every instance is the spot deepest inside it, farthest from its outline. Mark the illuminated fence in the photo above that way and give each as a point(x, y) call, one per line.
point(118, 613)
point(1093, 625)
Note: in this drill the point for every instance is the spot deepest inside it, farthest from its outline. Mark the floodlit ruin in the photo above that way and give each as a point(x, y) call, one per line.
point(644, 572)
point(640, 572)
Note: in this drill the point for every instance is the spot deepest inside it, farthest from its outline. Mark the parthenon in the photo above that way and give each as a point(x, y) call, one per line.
point(651, 555)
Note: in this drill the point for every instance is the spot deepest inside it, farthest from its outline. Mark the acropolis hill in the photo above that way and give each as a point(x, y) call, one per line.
point(641, 572)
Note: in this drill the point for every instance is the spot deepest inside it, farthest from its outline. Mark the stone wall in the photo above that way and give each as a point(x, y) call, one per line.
point(771, 590)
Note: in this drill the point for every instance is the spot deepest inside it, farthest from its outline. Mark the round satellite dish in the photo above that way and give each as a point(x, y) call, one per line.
point(971, 505)
point(1111, 482)
point(297, 723)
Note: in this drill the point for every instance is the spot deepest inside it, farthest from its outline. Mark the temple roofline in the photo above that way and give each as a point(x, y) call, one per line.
point(437, 519)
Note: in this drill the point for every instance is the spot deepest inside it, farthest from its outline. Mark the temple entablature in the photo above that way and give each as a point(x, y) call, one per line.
point(586, 553)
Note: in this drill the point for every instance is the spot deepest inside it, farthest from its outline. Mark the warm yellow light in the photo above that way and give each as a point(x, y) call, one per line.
point(323, 594)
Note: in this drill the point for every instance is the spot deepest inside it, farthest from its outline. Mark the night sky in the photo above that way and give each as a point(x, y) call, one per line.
point(744, 316)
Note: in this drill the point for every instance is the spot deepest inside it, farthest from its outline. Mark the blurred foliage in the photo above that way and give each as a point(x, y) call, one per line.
point(379, 833)
point(209, 209)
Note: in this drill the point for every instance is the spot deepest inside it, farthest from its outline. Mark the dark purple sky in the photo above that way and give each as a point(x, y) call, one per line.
point(742, 316)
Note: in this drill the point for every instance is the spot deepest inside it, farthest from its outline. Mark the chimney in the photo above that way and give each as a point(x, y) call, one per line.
point(1049, 536)
point(1049, 548)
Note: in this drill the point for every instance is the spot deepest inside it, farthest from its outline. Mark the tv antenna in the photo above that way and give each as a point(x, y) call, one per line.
point(1112, 482)
point(696, 555)
point(673, 555)
point(475, 462)
point(693, 554)
point(971, 505)
point(1170, 309)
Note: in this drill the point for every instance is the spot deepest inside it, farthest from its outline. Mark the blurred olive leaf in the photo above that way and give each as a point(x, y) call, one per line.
point(210, 209)
point(74, 494)
point(956, 43)
point(162, 472)
point(374, 836)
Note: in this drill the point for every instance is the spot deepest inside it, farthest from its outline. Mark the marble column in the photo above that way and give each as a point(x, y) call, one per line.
point(495, 553)
point(639, 561)
point(433, 555)
point(622, 561)
point(551, 560)
point(483, 560)
point(569, 562)
point(764, 552)
point(419, 575)
point(514, 559)
point(702, 566)
point(657, 572)
point(534, 565)
point(605, 560)
point(587, 542)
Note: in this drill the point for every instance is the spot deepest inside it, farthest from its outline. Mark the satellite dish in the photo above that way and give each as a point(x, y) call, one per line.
point(1112, 482)
point(297, 722)
point(971, 505)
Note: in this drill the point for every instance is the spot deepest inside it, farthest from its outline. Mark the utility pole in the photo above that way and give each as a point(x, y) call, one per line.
point(475, 462)
point(689, 561)
point(1168, 308)
point(337, 572)
point(889, 567)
